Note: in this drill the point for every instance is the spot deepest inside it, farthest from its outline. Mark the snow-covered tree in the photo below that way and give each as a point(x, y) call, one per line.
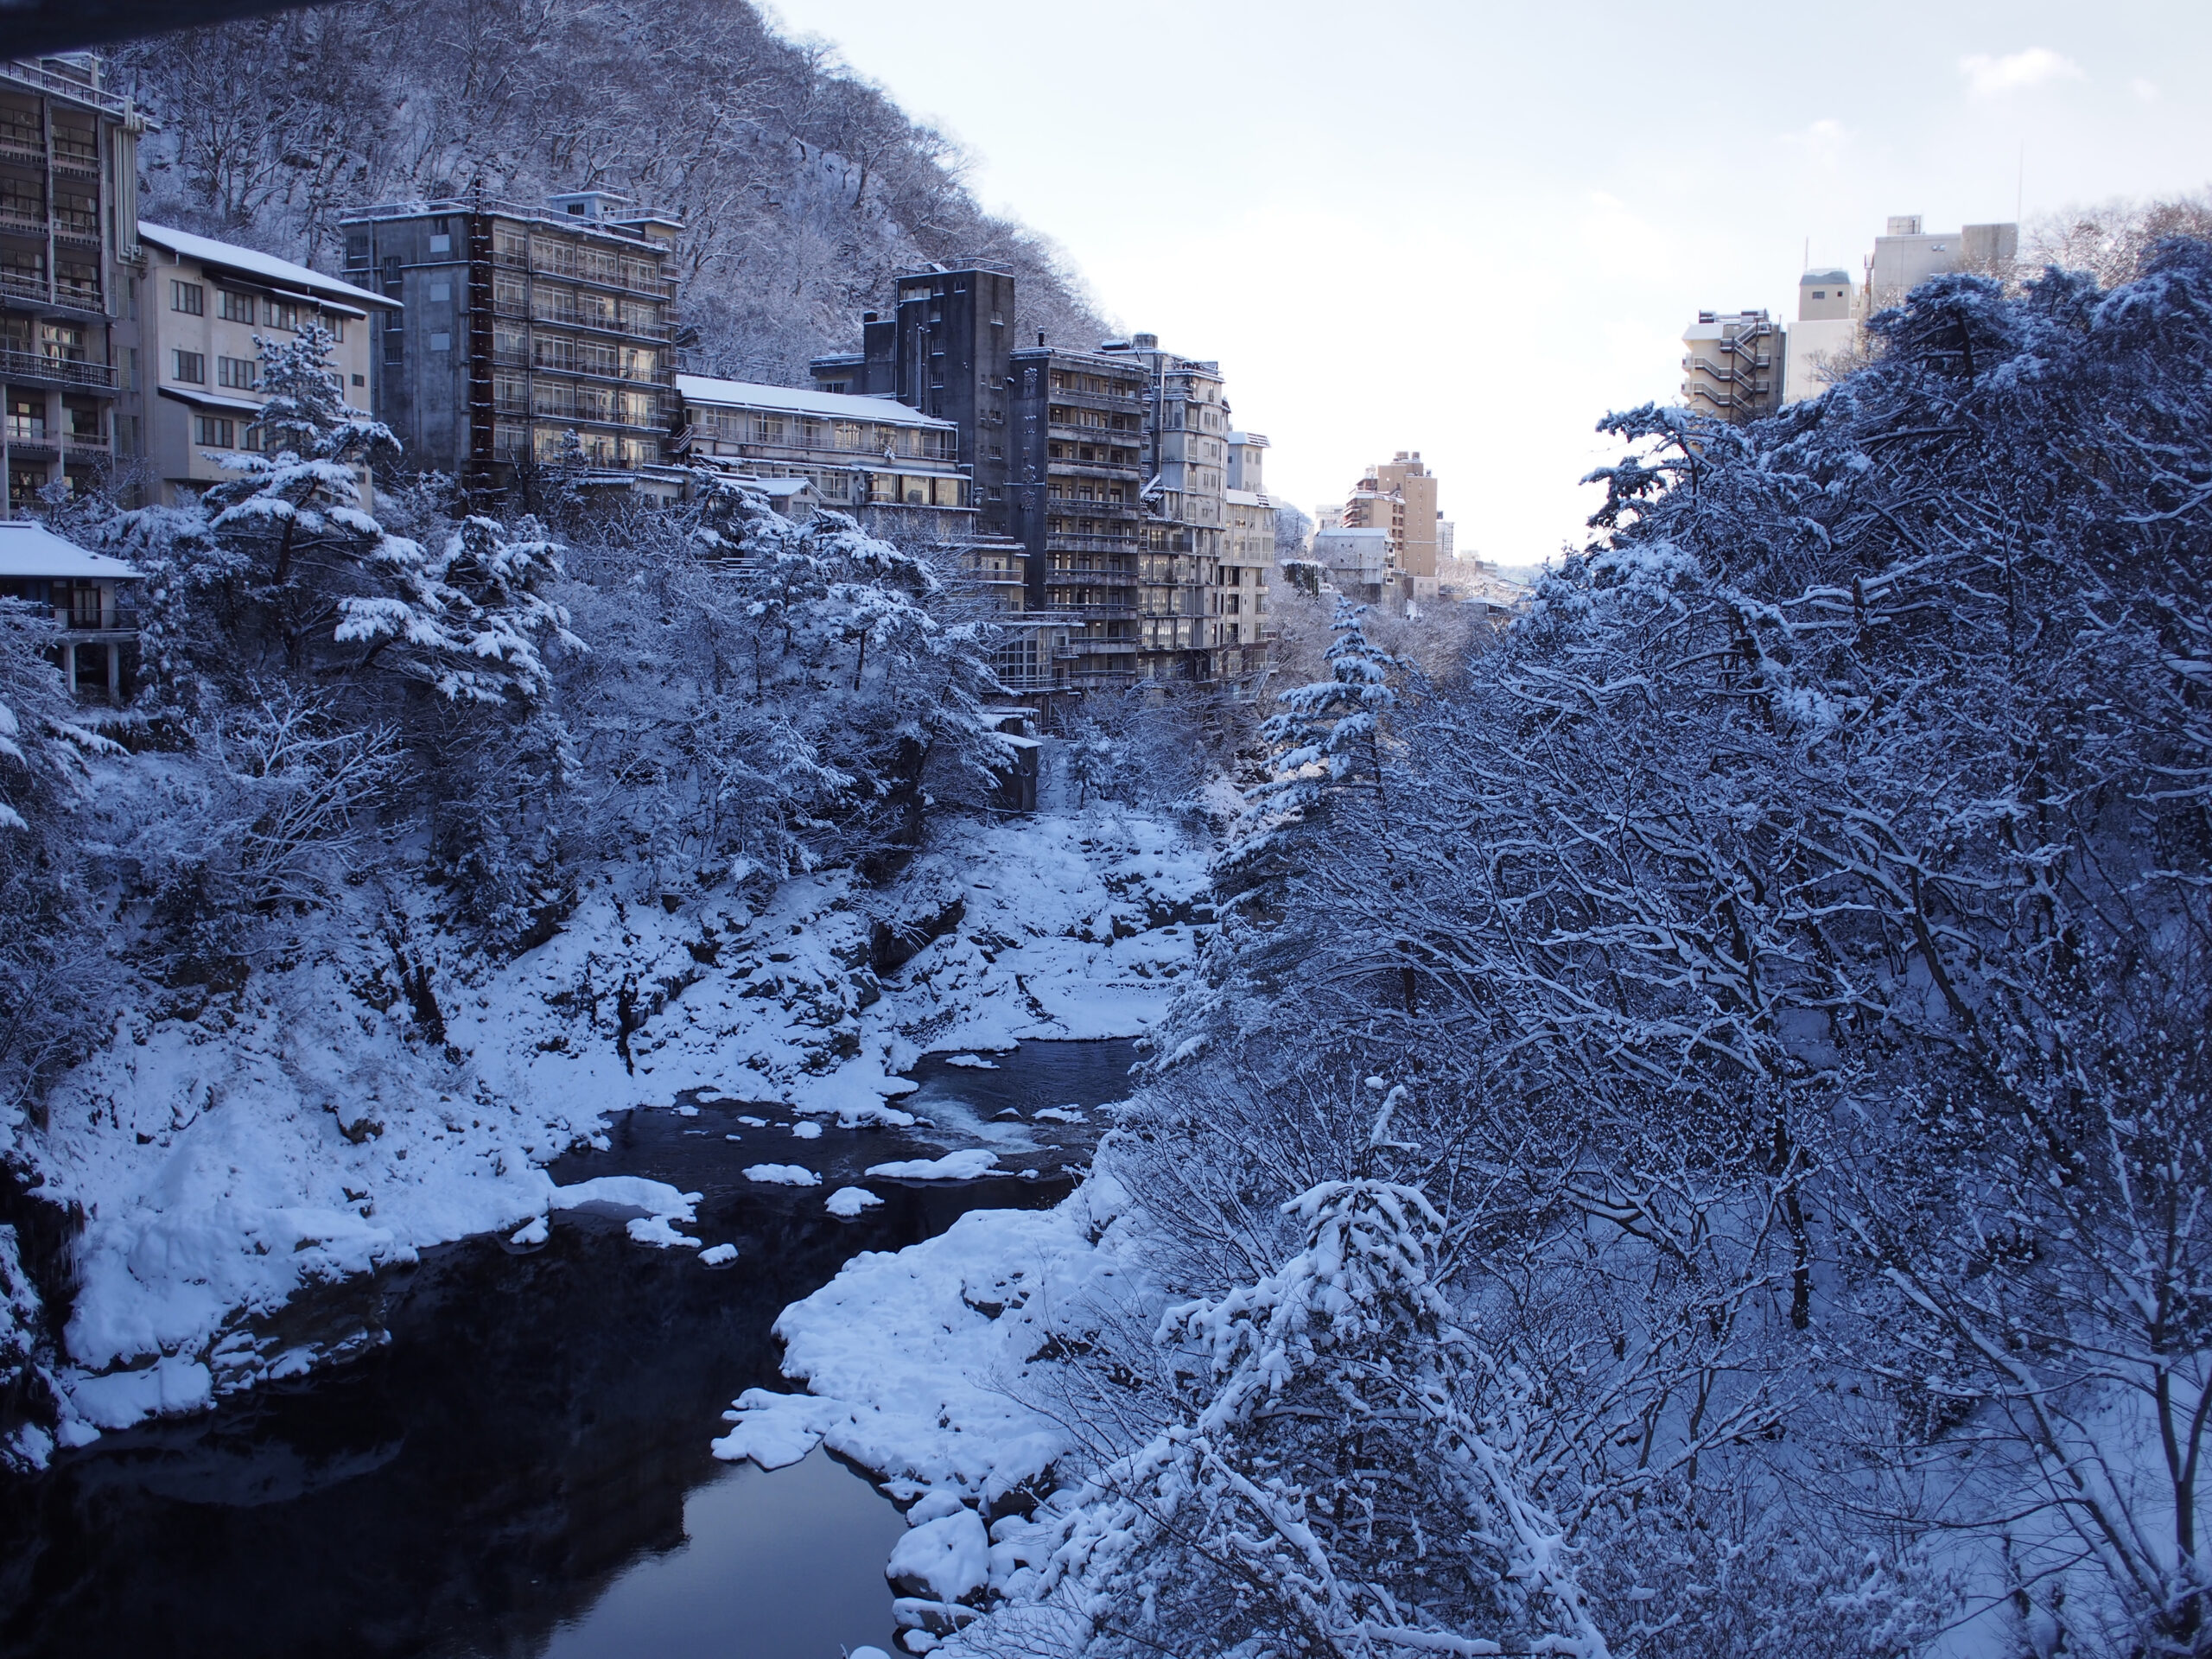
point(467, 620)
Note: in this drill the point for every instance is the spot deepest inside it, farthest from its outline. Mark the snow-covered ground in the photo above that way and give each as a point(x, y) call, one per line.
point(229, 1150)
point(930, 1367)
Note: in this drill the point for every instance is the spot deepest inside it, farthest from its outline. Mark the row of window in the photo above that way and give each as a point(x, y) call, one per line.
point(234, 305)
point(221, 432)
point(1089, 489)
point(850, 437)
point(1062, 415)
point(239, 374)
point(1100, 384)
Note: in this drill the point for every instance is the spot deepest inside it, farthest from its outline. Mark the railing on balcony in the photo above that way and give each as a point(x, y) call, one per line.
point(41, 78)
point(37, 365)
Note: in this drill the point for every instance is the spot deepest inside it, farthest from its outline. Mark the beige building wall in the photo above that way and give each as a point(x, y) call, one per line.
point(1733, 365)
point(201, 306)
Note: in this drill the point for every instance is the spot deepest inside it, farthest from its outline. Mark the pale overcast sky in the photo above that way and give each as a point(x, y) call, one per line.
point(1470, 230)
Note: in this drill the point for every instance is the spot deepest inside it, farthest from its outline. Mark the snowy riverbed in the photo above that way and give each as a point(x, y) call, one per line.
point(229, 1150)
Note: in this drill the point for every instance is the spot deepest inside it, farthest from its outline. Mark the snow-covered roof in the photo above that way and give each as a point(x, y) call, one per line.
point(265, 266)
point(1352, 530)
point(1257, 439)
point(1242, 498)
point(29, 548)
point(800, 400)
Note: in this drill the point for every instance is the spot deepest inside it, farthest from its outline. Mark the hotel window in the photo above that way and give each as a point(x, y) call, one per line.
point(189, 298)
point(212, 430)
point(233, 307)
point(188, 366)
point(239, 374)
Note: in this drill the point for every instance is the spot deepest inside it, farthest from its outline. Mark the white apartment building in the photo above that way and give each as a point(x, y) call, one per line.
point(189, 342)
point(1827, 331)
point(1248, 555)
point(1359, 561)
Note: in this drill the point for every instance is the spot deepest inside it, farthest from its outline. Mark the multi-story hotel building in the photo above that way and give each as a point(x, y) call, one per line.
point(68, 252)
point(1186, 466)
point(1074, 488)
point(1247, 558)
point(202, 306)
point(1108, 468)
point(525, 336)
point(893, 468)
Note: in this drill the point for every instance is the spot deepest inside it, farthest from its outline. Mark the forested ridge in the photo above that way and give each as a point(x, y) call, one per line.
point(802, 186)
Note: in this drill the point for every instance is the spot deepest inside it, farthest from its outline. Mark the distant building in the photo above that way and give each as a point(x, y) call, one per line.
point(1733, 363)
point(1827, 330)
point(1446, 548)
point(1329, 515)
point(527, 336)
point(1358, 560)
point(68, 253)
point(1104, 471)
point(1075, 494)
point(1399, 497)
point(201, 305)
point(1907, 256)
point(1247, 558)
point(943, 351)
point(894, 469)
point(90, 598)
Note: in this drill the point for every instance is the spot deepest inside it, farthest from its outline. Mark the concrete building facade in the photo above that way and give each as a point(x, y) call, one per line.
point(1908, 254)
point(1733, 365)
point(525, 337)
point(1825, 331)
point(68, 271)
point(202, 305)
point(944, 350)
point(1358, 560)
point(1074, 497)
point(893, 467)
point(1186, 466)
point(1248, 560)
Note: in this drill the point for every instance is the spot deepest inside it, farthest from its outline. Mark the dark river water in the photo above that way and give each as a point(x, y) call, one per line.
point(522, 1468)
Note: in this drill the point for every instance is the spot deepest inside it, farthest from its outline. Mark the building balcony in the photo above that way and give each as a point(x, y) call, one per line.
point(13, 218)
point(1077, 507)
point(1090, 576)
point(33, 446)
point(25, 146)
point(1122, 545)
point(83, 446)
point(1112, 471)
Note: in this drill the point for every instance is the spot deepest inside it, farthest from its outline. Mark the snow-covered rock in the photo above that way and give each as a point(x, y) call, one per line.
point(945, 1560)
point(917, 1362)
point(966, 1165)
point(782, 1175)
point(850, 1201)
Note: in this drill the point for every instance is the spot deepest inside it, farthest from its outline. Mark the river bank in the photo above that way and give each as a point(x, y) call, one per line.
point(317, 1126)
point(514, 1462)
